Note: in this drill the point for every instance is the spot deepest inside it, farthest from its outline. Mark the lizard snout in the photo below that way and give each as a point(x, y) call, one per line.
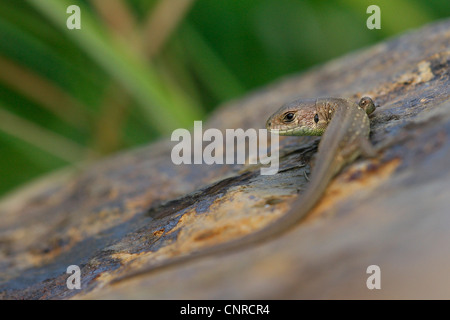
point(270, 123)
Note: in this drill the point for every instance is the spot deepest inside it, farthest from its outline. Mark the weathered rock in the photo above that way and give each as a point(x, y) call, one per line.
point(137, 207)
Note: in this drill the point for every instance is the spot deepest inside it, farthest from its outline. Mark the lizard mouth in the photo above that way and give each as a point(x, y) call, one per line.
point(296, 131)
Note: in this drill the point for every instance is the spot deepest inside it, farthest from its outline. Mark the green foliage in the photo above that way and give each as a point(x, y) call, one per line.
point(68, 96)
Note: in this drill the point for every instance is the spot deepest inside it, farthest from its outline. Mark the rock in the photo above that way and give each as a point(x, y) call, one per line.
point(137, 208)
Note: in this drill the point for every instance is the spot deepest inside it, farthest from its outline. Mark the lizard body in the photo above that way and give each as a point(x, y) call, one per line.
point(345, 127)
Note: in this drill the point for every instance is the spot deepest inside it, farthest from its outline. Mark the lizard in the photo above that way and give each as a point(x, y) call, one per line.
point(344, 127)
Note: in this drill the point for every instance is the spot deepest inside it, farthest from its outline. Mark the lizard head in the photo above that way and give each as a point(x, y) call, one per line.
point(298, 118)
point(367, 105)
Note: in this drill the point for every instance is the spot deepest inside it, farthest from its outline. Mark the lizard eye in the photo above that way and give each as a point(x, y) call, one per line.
point(365, 101)
point(316, 118)
point(288, 117)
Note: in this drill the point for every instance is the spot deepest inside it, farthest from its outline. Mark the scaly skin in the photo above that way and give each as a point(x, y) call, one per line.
point(345, 128)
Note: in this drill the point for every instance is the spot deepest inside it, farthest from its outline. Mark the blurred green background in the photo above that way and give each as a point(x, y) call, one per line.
point(138, 69)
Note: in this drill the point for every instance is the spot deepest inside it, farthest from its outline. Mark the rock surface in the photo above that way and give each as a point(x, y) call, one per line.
point(137, 208)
